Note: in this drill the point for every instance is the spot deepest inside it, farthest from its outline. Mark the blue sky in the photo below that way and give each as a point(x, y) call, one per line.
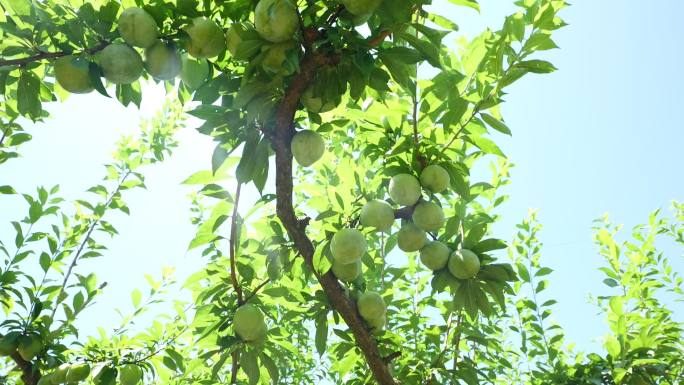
point(602, 134)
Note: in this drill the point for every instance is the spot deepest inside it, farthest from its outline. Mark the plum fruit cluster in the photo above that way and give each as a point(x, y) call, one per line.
point(348, 245)
point(27, 345)
point(142, 48)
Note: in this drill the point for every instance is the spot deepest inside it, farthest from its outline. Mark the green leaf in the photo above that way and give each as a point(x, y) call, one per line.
point(537, 66)
point(488, 245)
point(18, 139)
point(271, 367)
point(468, 3)
point(218, 158)
point(95, 75)
point(486, 145)
point(136, 296)
point(495, 123)
point(7, 190)
point(28, 95)
point(539, 42)
point(249, 363)
point(321, 339)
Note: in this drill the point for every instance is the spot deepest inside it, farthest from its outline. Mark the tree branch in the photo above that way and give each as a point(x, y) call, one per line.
point(49, 55)
point(375, 41)
point(284, 130)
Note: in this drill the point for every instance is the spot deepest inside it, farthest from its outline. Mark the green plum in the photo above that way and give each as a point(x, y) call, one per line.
point(377, 214)
point(464, 264)
point(411, 238)
point(73, 74)
point(404, 189)
point(348, 246)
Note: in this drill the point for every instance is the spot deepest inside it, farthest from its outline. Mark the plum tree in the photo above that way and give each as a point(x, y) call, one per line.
point(361, 7)
point(138, 28)
point(194, 72)
point(162, 61)
point(464, 264)
point(276, 20)
point(301, 80)
point(347, 272)
point(307, 147)
point(207, 39)
point(348, 246)
point(411, 238)
point(130, 374)
point(73, 74)
point(404, 189)
point(377, 214)
point(428, 216)
point(120, 64)
point(435, 178)
point(29, 345)
point(77, 373)
point(249, 323)
point(435, 255)
point(371, 306)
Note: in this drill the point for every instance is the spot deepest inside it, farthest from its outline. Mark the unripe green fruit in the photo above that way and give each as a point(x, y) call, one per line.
point(464, 264)
point(348, 246)
point(162, 61)
point(29, 346)
point(435, 255)
point(248, 322)
point(411, 238)
point(120, 64)
point(59, 375)
point(307, 147)
point(404, 189)
point(77, 373)
point(9, 343)
point(347, 272)
point(435, 178)
point(276, 20)
point(314, 104)
point(371, 306)
point(274, 59)
point(206, 38)
point(428, 216)
point(378, 214)
point(130, 374)
point(361, 7)
point(194, 72)
point(73, 74)
point(137, 27)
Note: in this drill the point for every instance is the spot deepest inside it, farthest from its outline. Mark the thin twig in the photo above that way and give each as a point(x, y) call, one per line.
point(83, 243)
point(257, 289)
point(49, 55)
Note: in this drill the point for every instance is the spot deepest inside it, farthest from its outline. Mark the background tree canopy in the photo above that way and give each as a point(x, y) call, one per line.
point(297, 289)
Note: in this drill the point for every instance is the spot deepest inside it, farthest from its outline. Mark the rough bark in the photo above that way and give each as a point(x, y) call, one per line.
point(283, 132)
